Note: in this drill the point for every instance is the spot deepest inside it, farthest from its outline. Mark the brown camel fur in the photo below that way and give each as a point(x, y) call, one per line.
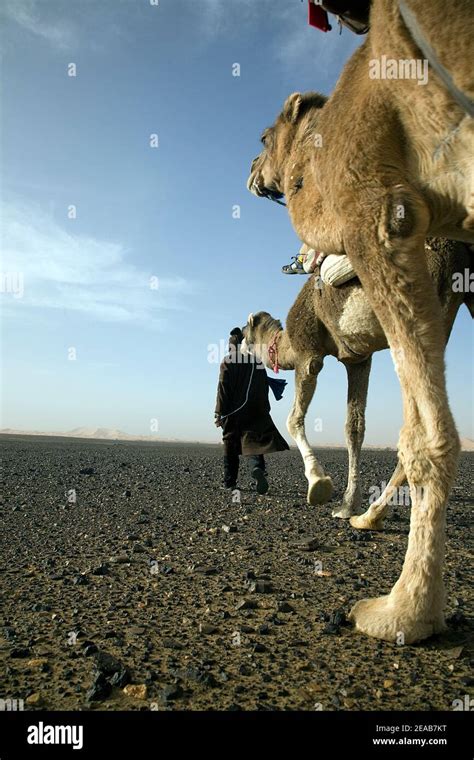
point(382, 165)
point(326, 321)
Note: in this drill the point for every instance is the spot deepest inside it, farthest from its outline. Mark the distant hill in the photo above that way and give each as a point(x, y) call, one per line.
point(112, 434)
point(102, 434)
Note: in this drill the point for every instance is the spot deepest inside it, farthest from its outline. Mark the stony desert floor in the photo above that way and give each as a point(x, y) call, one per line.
point(153, 590)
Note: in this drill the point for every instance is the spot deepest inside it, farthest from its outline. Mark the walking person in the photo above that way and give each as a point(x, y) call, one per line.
point(243, 413)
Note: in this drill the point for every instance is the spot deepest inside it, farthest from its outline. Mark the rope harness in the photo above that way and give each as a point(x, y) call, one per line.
point(409, 18)
point(224, 416)
point(273, 352)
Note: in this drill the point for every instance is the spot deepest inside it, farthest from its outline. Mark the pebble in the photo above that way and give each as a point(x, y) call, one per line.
point(172, 692)
point(170, 643)
point(285, 607)
point(119, 559)
point(135, 690)
point(20, 652)
point(207, 628)
point(246, 604)
point(260, 586)
point(34, 699)
point(205, 569)
point(101, 569)
point(37, 662)
point(99, 690)
point(305, 544)
point(80, 580)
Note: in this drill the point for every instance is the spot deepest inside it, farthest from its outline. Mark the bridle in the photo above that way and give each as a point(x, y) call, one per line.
point(269, 195)
point(273, 352)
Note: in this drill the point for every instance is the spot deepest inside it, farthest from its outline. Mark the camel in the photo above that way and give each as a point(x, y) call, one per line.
point(327, 321)
point(385, 162)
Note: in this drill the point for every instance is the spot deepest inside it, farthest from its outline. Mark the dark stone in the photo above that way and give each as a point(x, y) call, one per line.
point(90, 649)
point(170, 643)
point(102, 569)
point(285, 607)
point(305, 544)
point(331, 628)
point(246, 604)
point(338, 617)
point(99, 690)
point(106, 663)
point(260, 587)
point(80, 580)
point(20, 652)
point(205, 569)
point(120, 678)
point(171, 692)
point(87, 471)
point(41, 607)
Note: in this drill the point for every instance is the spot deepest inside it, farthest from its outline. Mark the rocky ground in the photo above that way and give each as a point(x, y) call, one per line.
point(154, 591)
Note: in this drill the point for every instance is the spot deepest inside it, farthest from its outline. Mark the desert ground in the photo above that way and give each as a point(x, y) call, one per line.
point(131, 580)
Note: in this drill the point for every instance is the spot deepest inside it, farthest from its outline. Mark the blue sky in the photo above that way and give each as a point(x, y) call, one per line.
point(156, 216)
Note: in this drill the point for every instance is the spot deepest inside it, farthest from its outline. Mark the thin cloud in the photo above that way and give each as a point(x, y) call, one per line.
point(296, 47)
point(29, 15)
point(60, 269)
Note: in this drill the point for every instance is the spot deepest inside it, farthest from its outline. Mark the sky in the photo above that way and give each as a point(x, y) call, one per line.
point(130, 241)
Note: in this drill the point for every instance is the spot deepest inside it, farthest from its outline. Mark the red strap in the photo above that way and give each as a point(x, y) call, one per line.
point(318, 17)
point(273, 352)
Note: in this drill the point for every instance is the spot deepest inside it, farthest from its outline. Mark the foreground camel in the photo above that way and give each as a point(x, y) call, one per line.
point(382, 164)
point(326, 321)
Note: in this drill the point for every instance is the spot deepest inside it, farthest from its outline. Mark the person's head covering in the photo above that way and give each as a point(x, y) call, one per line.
point(236, 337)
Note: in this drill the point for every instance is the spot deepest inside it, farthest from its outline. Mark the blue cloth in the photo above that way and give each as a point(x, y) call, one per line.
point(277, 386)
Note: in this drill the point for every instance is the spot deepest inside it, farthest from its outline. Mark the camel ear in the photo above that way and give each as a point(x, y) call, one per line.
point(292, 107)
point(250, 319)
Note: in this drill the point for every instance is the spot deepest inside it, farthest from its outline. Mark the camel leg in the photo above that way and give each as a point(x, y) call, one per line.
point(358, 383)
point(373, 518)
point(390, 262)
point(319, 484)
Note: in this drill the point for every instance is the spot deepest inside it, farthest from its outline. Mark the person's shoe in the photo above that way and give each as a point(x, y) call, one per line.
point(228, 487)
point(262, 482)
point(296, 266)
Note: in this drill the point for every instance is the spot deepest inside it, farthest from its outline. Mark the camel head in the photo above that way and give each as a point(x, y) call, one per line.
point(259, 332)
point(270, 169)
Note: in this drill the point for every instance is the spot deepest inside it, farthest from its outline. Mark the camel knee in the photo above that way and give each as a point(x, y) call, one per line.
point(295, 425)
point(403, 215)
point(430, 459)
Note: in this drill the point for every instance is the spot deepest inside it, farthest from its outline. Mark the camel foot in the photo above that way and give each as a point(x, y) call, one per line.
point(319, 491)
point(392, 619)
point(346, 511)
point(365, 522)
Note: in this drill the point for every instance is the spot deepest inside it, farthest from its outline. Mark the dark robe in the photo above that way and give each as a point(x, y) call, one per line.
point(250, 430)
